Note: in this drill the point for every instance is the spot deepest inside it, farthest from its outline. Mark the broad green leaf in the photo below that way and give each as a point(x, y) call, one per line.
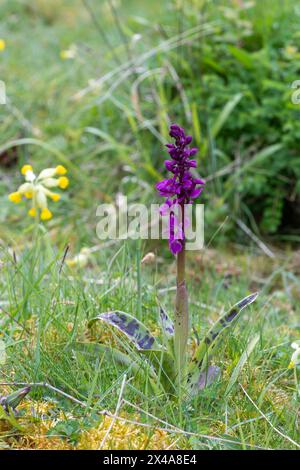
point(131, 327)
point(243, 359)
point(213, 337)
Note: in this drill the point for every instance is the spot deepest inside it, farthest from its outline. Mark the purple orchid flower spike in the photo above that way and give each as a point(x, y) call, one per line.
point(181, 189)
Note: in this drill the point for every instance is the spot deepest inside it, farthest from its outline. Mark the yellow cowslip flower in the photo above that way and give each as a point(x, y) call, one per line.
point(46, 214)
point(63, 182)
point(295, 359)
point(37, 189)
point(32, 212)
point(15, 197)
point(2, 44)
point(25, 169)
point(60, 170)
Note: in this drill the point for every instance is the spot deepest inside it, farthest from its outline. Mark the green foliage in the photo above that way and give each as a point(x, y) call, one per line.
point(253, 65)
point(131, 327)
point(223, 70)
point(225, 74)
point(212, 339)
point(44, 322)
point(243, 359)
point(163, 361)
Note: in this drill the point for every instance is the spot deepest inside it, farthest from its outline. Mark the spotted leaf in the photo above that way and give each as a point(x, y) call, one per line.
point(131, 327)
point(166, 323)
point(214, 335)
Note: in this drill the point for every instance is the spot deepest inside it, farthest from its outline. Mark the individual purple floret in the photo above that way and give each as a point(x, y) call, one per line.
point(183, 187)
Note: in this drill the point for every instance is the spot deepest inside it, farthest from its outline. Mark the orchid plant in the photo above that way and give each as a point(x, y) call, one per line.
point(166, 357)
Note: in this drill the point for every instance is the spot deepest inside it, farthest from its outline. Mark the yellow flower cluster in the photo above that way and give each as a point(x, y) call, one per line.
point(2, 44)
point(37, 189)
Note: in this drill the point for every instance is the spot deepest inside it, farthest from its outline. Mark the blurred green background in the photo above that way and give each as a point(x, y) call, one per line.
point(222, 69)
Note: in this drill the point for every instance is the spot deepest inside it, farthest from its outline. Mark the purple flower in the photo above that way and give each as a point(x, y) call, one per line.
point(183, 187)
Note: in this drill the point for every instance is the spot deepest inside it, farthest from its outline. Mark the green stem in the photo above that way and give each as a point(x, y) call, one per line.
point(181, 314)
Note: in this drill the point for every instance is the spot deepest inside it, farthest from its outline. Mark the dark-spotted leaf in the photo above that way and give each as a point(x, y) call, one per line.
point(213, 337)
point(166, 323)
point(131, 327)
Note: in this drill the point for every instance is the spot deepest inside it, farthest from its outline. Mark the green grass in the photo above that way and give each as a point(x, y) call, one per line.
point(111, 140)
point(45, 315)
